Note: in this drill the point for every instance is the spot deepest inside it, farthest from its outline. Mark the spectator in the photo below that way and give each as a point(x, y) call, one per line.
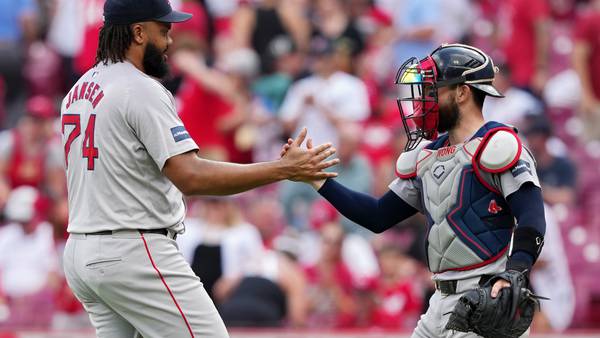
point(326, 99)
point(397, 299)
point(270, 293)
point(257, 26)
point(415, 22)
point(288, 66)
point(357, 252)
point(28, 262)
point(556, 173)
point(215, 102)
point(30, 153)
point(18, 28)
point(383, 141)
point(457, 20)
point(92, 21)
point(68, 311)
point(264, 211)
point(219, 243)
point(270, 90)
point(527, 42)
point(65, 35)
point(42, 71)
point(193, 33)
point(354, 169)
point(552, 266)
point(586, 62)
point(18, 22)
point(332, 303)
point(270, 289)
point(516, 105)
point(221, 12)
point(333, 22)
point(376, 64)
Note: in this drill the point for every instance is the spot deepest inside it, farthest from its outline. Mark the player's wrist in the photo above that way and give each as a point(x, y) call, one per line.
point(318, 184)
point(283, 169)
point(520, 261)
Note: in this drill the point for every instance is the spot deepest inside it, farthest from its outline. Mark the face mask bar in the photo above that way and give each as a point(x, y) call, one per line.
point(417, 100)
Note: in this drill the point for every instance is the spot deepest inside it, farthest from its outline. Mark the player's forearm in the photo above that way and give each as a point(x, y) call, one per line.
point(527, 206)
point(222, 178)
point(374, 214)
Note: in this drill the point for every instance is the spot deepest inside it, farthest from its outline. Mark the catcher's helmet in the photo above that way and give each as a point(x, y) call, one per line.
point(448, 65)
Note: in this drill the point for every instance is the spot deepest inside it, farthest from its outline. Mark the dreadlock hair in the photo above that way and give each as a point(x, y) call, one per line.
point(113, 43)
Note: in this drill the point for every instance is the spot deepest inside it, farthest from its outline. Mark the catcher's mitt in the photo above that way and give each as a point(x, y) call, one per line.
point(506, 316)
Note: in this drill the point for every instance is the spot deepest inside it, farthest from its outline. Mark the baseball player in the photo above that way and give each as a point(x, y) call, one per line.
point(128, 160)
point(472, 179)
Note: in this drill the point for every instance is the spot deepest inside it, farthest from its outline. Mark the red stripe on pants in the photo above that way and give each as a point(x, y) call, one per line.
point(167, 286)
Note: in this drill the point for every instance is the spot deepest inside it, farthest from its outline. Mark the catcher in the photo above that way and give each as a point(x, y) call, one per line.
point(477, 186)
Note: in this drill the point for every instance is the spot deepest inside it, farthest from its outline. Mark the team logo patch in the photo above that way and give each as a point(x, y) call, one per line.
point(439, 171)
point(494, 208)
point(522, 166)
point(179, 133)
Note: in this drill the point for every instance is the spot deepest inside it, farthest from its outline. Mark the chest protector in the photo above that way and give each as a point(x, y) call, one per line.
point(469, 221)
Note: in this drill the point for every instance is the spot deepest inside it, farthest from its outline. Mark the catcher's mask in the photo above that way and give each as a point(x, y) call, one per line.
point(419, 80)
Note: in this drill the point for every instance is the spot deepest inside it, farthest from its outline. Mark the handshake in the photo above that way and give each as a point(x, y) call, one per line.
point(307, 165)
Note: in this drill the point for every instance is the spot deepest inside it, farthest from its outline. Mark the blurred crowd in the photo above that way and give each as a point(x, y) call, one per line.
point(248, 74)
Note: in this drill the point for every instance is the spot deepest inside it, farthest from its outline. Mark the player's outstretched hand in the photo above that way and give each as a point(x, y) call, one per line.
point(307, 165)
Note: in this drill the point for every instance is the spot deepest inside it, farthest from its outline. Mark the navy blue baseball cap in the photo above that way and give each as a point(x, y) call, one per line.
point(122, 12)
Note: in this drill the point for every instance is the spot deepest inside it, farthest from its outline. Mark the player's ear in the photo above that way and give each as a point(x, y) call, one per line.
point(462, 93)
point(139, 33)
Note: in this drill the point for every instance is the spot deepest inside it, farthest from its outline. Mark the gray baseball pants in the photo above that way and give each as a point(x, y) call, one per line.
point(139, 285)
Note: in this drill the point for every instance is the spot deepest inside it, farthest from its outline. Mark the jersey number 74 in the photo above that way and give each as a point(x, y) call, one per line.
point(88, 150)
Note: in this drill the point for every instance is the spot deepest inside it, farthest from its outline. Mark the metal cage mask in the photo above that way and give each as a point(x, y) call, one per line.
point(418, 100)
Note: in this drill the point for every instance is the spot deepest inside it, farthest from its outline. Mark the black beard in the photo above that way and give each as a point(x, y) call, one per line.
point(449, 116)
point(154, 62)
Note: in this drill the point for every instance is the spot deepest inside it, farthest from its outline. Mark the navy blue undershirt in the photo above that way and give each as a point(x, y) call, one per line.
point(374, 214)
point(378, 215)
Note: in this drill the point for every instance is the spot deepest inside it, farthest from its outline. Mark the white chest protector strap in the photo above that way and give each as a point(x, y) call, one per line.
point(498, 151)
point(406, 166)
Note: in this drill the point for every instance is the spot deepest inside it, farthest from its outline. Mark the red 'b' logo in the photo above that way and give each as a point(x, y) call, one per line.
point(493, 207)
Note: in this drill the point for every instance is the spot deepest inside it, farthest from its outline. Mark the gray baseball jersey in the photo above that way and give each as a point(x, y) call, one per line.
point(119, 128)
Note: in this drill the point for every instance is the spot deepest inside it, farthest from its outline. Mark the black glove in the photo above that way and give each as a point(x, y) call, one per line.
point(506, 316)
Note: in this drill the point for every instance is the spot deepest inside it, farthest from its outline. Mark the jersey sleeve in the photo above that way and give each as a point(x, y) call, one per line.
point(408, 191)
point(521, 172)
point(152, 116)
